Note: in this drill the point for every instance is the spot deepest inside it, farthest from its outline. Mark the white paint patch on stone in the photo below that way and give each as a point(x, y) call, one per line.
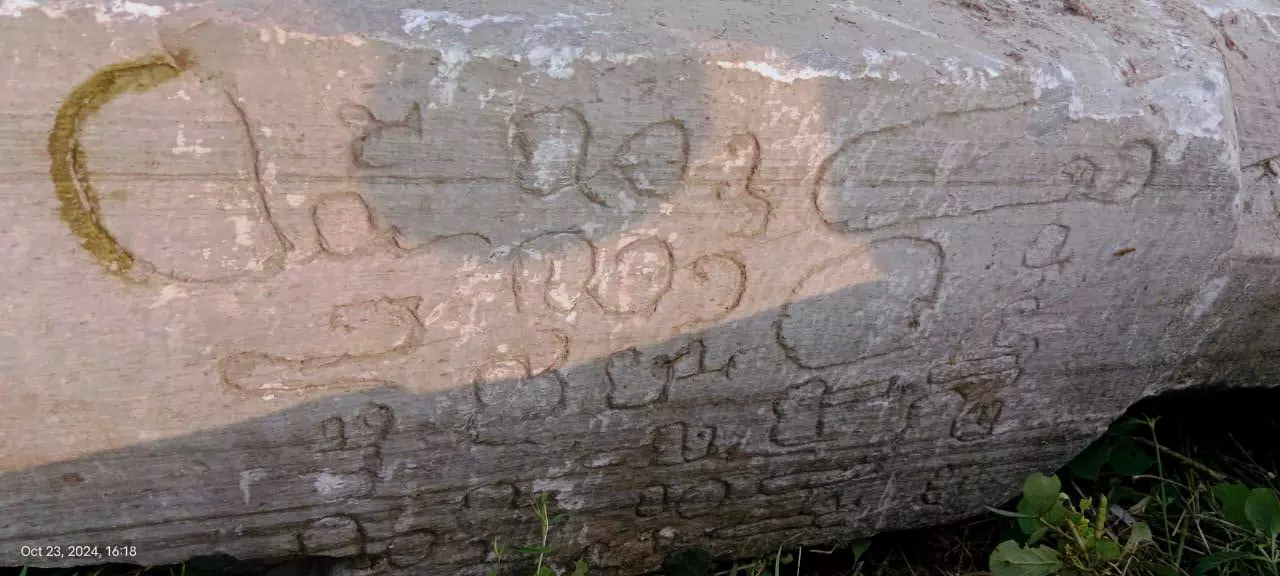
point(168, 294)
point(624, 58)
point(333, 487)
point(445, 84)
point(1192, 104)
point(196, 149)
point(103, 12)
point(137, 9)
point(247, 478)
point(1216, 8)
point(295, 200)
point(244, 230)
point(419, 22)
point(1208, 295)
point(558, 62)
point(269, 176)
point(1044, 81)
point(14, 8)
point(328, 484)
point(784, 75)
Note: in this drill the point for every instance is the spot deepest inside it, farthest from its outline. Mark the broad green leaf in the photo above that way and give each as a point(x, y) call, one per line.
point(1040, 492)
point(860, 547)
point(1107, 550)
point(1010, 559)
point(1231, 499)
point(545, 570)
point(688, 562)
point(1212, 562)
point(1139, 534)
point(1089, 463)
point(580, 568)
point(1028, 517)
point(1037, 535)
point(1056, 514)
point(1129, 459)
point(1263, 510)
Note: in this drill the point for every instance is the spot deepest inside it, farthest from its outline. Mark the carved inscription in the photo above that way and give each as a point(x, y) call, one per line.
point(705, 291)
point(654, 159)
point(410, 548)
point(332, 536)
point(1123, 176)
point(799, 414)
point(653, 501)
point(638, 379)
point(1015, 326)
point(763, 527)
point(379, 143)
point(861, 305)
point(640, 275)
point(978, 383)
point(359, 437)
point(344, 223)
point(513, 403)
point(184, 204)
point(679, 443)
point(805, 480)
point(702, 499)
point(552, 271)
point(929, 169)
point(393, 322)
point(1046, 248)
point(740, 199)
point(552, 150)
point(812, 411)
point(492, 497)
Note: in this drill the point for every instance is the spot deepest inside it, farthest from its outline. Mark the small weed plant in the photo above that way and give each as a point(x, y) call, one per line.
point(699, 562)
point(1081, 541)
point(543, 548)
point(1153, 511)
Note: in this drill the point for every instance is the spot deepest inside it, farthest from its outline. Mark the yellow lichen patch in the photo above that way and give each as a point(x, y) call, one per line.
point(78, 199)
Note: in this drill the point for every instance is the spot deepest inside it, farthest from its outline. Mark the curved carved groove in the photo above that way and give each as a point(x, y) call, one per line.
point(641, 275)
point(655, 159)
point(79, 198)
point(869, 301)
point(926, 170)
point(76, 194)
point(552, 146)
point(553, 270)
point(378, 143)
point(256, 372)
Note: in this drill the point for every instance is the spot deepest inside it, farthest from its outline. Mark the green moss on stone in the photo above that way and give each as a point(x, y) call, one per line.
point(76, 195)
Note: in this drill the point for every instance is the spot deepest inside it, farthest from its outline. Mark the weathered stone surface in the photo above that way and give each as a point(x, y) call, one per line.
point(361, 279)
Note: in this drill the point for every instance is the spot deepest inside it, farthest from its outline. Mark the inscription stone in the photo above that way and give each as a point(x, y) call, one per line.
point(368, 279)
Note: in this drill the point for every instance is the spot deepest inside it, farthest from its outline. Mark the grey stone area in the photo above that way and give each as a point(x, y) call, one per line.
point(362, 279)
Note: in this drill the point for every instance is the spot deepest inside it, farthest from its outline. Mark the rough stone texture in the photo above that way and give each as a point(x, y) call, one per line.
point(362, 278)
